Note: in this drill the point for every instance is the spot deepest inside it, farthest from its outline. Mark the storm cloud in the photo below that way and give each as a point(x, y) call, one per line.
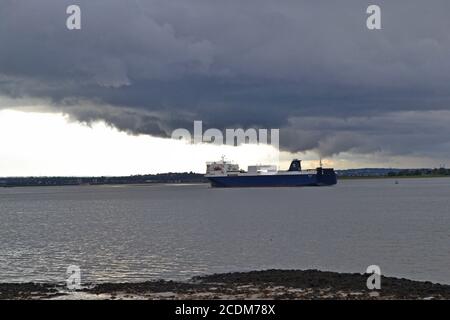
point(310, 68)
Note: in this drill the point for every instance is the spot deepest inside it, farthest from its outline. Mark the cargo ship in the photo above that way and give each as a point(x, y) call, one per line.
point(224, 174)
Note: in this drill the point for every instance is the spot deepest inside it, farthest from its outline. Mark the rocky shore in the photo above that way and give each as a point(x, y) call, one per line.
point(269, 284)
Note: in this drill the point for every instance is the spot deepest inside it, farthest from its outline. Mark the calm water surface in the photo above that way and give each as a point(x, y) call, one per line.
point(135, 233)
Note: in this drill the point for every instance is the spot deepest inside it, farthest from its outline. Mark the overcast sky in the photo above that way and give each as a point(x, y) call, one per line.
point(355, 96)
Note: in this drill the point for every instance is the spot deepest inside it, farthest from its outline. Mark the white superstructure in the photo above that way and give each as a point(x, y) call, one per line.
point(221, 168)
point(226, 168)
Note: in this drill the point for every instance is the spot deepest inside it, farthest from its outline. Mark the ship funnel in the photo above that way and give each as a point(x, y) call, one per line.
point(296, 165)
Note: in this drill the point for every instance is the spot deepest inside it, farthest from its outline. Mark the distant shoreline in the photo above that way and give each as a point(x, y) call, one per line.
point(163, 178)
point(268, 284)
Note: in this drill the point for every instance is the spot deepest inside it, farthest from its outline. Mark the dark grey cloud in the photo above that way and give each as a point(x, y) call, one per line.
point(310, 68)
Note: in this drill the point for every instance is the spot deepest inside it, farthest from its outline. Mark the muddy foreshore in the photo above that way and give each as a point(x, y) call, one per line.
point(269, 284)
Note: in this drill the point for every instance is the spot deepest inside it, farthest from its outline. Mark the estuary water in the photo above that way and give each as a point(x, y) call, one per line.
point(138, 233)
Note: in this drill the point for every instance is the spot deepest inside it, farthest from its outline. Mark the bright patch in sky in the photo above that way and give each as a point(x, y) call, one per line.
point(47, 144)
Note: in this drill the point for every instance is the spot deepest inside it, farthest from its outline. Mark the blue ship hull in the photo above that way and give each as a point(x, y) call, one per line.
point(326, 177)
